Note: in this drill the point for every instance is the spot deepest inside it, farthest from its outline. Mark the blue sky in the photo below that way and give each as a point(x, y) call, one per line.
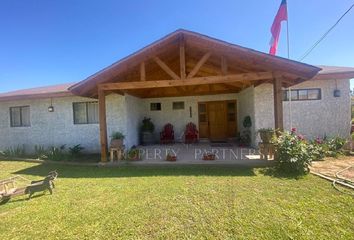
point(47, 42)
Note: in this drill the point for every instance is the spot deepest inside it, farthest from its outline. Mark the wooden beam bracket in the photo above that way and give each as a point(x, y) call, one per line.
point(168, 70)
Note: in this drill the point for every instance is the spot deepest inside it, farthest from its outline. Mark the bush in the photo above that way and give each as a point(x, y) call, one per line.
point(245, 138)
point(57, 153)
point(40, 152)
point(147, 125)
point(292, 154)
point(335, 146)
point(75, 151)
point(18, 151)
point(117, 135)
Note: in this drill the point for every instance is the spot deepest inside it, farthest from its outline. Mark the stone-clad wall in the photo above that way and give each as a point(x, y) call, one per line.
point(329, 116)
point(57, 128)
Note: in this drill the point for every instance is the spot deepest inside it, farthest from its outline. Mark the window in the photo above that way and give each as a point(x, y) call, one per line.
point(178, 105)
point(303, 94)
point(20, 116)
point(85, 112)
point(202, 113)
point(231, 111)
point(155, 106)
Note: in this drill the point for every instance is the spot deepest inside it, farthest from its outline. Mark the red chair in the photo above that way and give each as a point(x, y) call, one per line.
point(167, 135)
point(191, 133)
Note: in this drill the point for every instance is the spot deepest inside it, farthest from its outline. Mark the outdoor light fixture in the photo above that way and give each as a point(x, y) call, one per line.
point(51, 108)
point(336, 92)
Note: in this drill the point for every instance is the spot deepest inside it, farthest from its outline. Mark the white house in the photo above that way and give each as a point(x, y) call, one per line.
point(183, 77)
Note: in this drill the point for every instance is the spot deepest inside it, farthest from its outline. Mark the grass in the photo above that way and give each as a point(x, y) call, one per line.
point(190, 202)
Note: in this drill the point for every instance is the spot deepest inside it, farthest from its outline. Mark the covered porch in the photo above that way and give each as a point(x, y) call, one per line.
point(187, 66)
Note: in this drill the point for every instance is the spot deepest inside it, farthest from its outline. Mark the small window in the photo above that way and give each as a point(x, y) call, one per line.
point(85, 112)
point(178, 105)
point(303, 94)
point(155, 106)
point(20, 116)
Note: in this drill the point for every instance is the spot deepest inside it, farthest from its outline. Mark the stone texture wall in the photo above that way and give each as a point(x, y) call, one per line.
point(134, 115)
point(246, 108)
point(57, 128)
point(329, 116)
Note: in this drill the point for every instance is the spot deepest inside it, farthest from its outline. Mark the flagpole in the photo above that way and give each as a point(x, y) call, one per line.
point(288, 47)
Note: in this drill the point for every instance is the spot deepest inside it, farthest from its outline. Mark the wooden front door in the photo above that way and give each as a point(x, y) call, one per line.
point(217, 120)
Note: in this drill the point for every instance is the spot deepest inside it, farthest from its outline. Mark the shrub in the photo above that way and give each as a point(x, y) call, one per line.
point(292, 153)
point(117, 135)
point(318, 149)
point(147, 125)
point(335, 146)
point(245, 138)
point(75, 151)
point(57, 153)
point(18, 151)
point(40, 152)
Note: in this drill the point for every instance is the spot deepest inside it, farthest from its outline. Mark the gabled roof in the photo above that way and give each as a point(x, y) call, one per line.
point(60, 90)
point(240, 59)
point(237, 54)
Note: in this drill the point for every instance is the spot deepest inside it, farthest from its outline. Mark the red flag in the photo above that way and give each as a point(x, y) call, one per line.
point(282, 15)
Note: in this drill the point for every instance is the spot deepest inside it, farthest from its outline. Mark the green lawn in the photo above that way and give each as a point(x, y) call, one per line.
point(191, 202)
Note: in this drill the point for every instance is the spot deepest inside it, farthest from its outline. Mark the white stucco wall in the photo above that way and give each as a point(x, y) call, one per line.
point(57, 128)
point(134, 110)
point(329, 116)
point(246, 108)
point(178, 118)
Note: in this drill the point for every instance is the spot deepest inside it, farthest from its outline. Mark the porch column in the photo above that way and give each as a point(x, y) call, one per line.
point(278, 103)
point(103, 124)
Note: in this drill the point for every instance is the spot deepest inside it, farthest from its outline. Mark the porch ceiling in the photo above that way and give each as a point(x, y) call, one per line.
point(186, 63)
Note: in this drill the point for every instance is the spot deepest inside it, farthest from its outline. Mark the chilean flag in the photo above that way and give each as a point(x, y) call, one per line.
point(282, 15)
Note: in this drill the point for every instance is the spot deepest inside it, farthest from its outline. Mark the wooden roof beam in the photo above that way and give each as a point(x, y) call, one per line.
point(255, 76)
point(199, 65)
point(182, 57)
point(166, 68)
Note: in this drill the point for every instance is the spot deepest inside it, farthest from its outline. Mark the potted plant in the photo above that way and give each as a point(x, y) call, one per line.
point(133, 154)
point(209, 156)
point(170, 157)
point(266, 134)
point(245, 137)
point(147, 131)
point(117, 139)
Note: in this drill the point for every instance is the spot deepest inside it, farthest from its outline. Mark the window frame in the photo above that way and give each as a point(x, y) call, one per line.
point(157, 105)
point(21, 119)
point(86, 109)
point(177, 103)
point(286, 95)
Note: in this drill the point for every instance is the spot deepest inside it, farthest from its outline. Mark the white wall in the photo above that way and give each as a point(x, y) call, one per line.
point(178, 118)
point(57, 128)
point(134, 109)
point(329, 116)
point(246, 108)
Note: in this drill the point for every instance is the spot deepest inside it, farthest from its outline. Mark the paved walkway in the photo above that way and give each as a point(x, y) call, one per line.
point(331, 166)
point(225, 153)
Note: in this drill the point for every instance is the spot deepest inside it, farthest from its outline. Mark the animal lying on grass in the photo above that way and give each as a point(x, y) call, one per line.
point(42, 185)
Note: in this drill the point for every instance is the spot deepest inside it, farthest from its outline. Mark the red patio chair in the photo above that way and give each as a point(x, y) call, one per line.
point(191, 133)
point(167, 135)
